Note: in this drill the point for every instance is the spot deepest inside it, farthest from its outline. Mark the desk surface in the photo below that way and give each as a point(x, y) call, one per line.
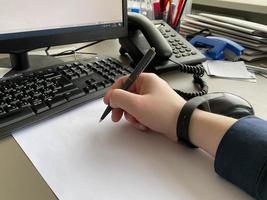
point(19, 178)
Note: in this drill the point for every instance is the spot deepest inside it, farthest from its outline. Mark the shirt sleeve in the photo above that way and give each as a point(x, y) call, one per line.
point(241, 157)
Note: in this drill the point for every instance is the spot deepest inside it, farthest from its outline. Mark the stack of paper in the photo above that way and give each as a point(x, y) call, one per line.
point(252, 36)
point(226, 69)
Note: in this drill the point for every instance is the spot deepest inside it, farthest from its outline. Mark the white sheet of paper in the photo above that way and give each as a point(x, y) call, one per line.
point(227, 69)
point(3, 71)
point(82, 159)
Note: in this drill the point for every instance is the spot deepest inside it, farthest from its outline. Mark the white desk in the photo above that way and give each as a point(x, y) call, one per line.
point(20, 180)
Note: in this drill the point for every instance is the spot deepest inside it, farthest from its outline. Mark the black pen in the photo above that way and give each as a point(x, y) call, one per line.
point(140, 67)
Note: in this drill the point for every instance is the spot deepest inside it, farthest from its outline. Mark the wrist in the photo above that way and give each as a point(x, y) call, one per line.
point(207, 129)
point(197, 128)
point(195, 136)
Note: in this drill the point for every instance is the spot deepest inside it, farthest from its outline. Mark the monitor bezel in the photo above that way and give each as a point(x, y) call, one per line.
point(35, 39)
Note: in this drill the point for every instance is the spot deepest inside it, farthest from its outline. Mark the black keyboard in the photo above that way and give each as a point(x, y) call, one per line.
point(37, 95)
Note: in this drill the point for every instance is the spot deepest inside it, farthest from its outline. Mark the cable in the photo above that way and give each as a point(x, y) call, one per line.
point(203, 89)
point(64, 53)
point(197, 71)
point(87, 53)
point(70, 52)
point(88, 45)
point(75, 51)
point(47, 51)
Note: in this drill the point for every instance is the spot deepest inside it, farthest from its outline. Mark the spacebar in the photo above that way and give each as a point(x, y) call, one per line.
point(15, 116)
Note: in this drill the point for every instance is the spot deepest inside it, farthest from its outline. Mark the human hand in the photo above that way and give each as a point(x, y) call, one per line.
point(149, 103)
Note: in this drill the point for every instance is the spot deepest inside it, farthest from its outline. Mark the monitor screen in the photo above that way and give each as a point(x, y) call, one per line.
point(26, 25)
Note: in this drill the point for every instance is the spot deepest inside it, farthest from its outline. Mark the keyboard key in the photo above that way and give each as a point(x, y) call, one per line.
point(11, 108)
point(99, 86)
point(64, 82)
point(56, 101)
point(23, 104)
point(73, 76)
point(36, 102)
point(74, 95)
point(90, 89)
point(2, 111)
point(107, 83)
point(65, 90)
point(40, 108)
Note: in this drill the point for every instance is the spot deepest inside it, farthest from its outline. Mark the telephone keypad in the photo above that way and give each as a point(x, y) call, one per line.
point(177, 45)
point(182, 50)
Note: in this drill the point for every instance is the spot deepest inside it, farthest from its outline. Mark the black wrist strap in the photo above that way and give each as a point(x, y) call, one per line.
point(183, 121)
point(183, 124)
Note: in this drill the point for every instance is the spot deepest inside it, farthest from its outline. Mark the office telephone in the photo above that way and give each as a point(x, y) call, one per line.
point(173, 52)
point(171, 48)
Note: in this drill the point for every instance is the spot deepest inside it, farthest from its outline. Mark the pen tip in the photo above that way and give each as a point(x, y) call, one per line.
point(100, 121)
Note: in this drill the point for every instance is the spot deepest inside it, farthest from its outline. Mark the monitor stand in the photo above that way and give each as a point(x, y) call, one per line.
point(22, 62)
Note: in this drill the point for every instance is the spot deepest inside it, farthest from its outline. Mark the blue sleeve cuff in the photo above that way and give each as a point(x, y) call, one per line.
point(241, 157)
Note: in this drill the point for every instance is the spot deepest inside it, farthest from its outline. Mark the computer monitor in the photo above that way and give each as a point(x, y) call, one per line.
point(32, 24)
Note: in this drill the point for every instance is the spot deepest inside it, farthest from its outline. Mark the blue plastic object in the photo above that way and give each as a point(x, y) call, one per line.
point(218, 48)
point(135, 10)
point(214, 48)
point(231, 45)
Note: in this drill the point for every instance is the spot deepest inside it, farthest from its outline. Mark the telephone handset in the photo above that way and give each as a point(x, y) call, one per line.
point(143, 34)
point(173, 52)
point(171, 48)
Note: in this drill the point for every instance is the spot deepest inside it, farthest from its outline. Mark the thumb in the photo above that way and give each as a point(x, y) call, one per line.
point(125, 100)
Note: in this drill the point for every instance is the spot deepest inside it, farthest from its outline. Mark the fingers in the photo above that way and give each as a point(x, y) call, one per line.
point(126, 101)
point(140, 127)
point(118, 84)
point(134, 122)
point(144, 83)
point(116, 111)
point(130, 118)
point(116, 114)
point(121, 101)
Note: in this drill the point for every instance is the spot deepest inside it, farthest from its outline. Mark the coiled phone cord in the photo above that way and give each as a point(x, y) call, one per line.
point(202, 91)
point(197, 71)
point(190, 69)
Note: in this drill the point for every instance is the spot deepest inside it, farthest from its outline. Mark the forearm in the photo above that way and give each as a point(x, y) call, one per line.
point(207, 129)
point(239, 148)
point(241, 157)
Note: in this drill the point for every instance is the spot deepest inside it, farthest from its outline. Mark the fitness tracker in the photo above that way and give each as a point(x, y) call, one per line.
point(184, 118)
